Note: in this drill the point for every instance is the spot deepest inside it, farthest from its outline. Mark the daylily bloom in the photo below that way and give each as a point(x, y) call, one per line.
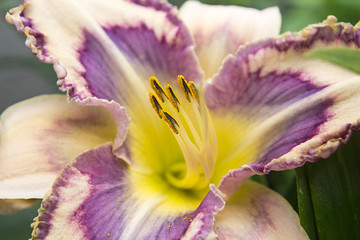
point(169, 117)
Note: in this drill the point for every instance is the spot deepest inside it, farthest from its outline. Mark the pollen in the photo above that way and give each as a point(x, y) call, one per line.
point(155, 85)
point(184, 218)
point(194, 91)
point(155, 103)
point(184, 86)
point(171, 121)
point(172, 97)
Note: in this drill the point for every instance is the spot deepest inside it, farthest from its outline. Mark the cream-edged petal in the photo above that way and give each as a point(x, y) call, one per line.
point(256, 212)
point(281, 107)
point(10, 206)
point(39, 136)
point(220, 30)
point(122, 122)
point(93, 198)
point(108, 49)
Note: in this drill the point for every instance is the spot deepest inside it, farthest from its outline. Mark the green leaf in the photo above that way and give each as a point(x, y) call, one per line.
point(305, 204)
point(284, 183)
point(347, 58)
point(329, 196)
point(17, 226)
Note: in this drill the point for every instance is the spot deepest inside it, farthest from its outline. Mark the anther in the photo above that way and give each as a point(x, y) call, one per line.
point(194, 91)
point(154, 83)
point(183, 85)
point(172, 97)
point(155, 104)
point(170, 121)
point(193, 130)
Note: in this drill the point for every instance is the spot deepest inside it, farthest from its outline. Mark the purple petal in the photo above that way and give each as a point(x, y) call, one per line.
point(256, 212)
point(94, 198)
point(108, 49)
point(295, 108)
point(39, 136)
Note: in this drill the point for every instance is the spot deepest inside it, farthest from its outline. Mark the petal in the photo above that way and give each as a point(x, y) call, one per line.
point(256, 212)
point(10, 206)
point(220, 30)
point(39, 136)
point(108, 49)
point(121, 118)
point(282, 108)
point(93, 198)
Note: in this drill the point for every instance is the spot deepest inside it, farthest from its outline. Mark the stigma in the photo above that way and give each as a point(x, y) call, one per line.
point(189, 120)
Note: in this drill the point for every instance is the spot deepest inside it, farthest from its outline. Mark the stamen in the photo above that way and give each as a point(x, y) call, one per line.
point(194, 91)
point(155, 103)
point(171, 121)
point(172, 97)
point(183, 85)
point(193, 130)
point(154, 83)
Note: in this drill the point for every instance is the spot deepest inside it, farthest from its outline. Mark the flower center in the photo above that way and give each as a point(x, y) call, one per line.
point(191, 125)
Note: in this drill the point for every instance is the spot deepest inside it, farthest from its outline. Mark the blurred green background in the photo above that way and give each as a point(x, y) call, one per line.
point(21, 77)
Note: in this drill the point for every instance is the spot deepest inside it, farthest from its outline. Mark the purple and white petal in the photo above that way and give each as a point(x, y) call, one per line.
point(287, 108)
point(122, 122)
point(256, 212)
point(39, 136)
point(220, 30)
point(108, 49)
point(94, 198)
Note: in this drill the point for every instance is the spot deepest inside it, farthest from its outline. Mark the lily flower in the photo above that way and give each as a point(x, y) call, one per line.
point(170, 113)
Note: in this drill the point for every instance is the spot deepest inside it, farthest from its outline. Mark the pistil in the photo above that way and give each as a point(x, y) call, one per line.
point(191, 125)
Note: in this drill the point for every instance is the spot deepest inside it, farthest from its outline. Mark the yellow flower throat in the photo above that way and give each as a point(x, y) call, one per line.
point(192, 127)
